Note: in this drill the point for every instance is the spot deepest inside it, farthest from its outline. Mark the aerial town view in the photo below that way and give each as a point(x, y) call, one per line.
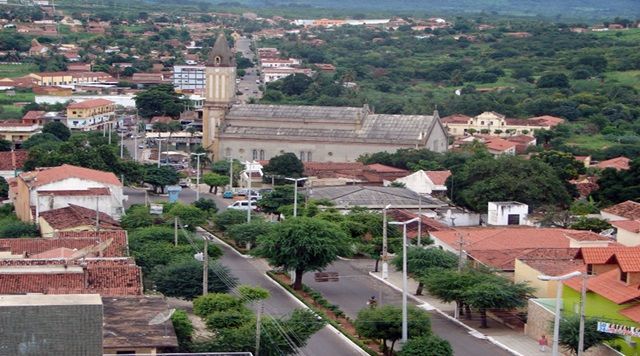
point(320, 178)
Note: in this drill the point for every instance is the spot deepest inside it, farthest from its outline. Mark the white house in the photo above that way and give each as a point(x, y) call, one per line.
point(425, 182)
point(628, 210)
point(628, 232)
point(507, 213)
point(57, 187)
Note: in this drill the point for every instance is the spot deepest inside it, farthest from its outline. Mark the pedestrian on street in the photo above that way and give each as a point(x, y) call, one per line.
point(543, 343)
point(372, 302)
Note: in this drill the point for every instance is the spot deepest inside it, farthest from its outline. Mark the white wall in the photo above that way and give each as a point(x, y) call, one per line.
point(628, 238)
point(417, 182)
point(499, 213)
point(111, 205)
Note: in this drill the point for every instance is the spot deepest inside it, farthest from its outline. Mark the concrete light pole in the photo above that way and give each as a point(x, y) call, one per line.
point(159, 140)
point(385, 249)
point(405, 323)
point(556, 323)
point(198, 174)
point(295, 194)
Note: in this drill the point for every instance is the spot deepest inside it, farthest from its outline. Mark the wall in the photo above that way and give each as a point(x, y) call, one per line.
point(111, 205)
point(499, 213)
point(525, 273)
point(627, 238)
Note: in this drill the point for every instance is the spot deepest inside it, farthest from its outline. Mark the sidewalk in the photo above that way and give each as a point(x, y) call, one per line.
point(512, 340)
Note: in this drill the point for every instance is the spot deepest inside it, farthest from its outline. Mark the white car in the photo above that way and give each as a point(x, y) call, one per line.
point(242, 205)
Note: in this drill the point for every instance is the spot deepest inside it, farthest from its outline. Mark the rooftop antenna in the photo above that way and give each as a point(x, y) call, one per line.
point(162, 318)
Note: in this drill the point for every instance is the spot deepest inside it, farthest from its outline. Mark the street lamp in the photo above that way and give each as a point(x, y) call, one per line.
point(385, 256)
point(295, 194)
point(198, 174)
point(556, 324)
point(159, 140)
point(405, 326)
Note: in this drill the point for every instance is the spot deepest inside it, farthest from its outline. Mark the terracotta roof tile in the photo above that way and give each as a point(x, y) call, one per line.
point(455, 119)
point(628, 209)
point(619, 163)
point(632, 313)
point(553, 262)
point(498, 144)
point(76, 216)
point(90, 104)
point(13, 160)
point(628, 225)
point(381, 168)
point(119, 246)
point(438, 177)
point(607, 285)
point(428, 224)
point(33, 115)
point(60, 252)
point(53, 174)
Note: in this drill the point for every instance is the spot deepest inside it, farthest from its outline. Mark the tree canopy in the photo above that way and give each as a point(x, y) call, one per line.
point(159, 100)
point(569, 334)
point(284, 165)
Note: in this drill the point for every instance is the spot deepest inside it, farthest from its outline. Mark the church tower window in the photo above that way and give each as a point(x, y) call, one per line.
point(255, 155)
point(262, 155)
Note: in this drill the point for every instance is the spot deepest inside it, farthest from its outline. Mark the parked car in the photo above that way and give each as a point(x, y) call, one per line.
point(228, 194)
point(242, 205)
point(184, 183)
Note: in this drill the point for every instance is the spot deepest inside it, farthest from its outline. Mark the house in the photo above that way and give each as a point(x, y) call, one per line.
point(373, 197)
point(628, 210)
point(499, 147)
point(507, 213)
point(90, 114)
point(523, 142)
point(70, 78)
point(499, 124)
point(499, 247)
point(12, 248)
point(276, 73)
point(74, 218)
point(51, 188)
point(586, 160)
point(424, 225)
point(426, 182)
point(549, 262)
point(628, 232)
point(137, 325)
point(11, 162)
point(619, 163)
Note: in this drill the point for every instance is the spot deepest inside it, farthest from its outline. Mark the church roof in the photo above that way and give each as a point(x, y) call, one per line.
point(315, 122)
point(221, 55)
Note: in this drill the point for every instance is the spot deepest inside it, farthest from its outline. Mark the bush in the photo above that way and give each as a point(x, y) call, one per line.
point(226, 319)
point(215, 302)
point(230, 217)
point(183, 328)
point(208, 205)
point(136, 216)
point(184, 279)
point(10, 228)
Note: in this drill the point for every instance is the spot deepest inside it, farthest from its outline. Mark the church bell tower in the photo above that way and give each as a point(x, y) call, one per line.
point(220, 92)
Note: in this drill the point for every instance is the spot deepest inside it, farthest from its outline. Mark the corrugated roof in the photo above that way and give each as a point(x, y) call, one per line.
point(375, 197)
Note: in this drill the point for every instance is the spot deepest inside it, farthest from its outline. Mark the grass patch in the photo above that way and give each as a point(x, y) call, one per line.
point(629, 77)
point(594, 142)
point(16, 70)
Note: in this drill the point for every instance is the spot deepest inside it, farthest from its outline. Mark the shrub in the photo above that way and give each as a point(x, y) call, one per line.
point(215, 302)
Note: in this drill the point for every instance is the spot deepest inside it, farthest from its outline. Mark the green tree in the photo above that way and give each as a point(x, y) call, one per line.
point(247, 234)
point(426, 346)
point(188, 215)
point(5, 145)
point(553, 80)
point(38, 139)
point(230, 217)
point(564, 164)
point(295, 84)
point(215, 302)
point(184, 279)
point(422, 261)
point(183, 328)
point(14, 228)
point(284, 165)
point(450, 286)
point(496, 292)
point(385, 324)
point(591, 224)
point(277, 198)
point(302, 244)
point(160, 177)
point(618, 186)
point(4, 188)
point(57, 129)
point(214, 180)
point(569, 334)
point(160, 100)
point(136, 216)
point(251, 293)
point(207, 205)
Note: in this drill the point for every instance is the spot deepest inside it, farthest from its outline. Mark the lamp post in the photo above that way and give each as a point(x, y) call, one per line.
point(556, 323)
point(385, 256)
point(295, 194)
point(405, 324)
point(230, 173)
point(159, 140)
point(198, 174)
point(248, 171)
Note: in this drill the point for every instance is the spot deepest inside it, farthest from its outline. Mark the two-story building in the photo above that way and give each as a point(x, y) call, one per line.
point(57, 187)
point(497, 124)
point(70, 78)
point(90, 114)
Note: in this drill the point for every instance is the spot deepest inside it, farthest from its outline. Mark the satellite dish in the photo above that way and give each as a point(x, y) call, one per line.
point(607, 232)
point(161, 317)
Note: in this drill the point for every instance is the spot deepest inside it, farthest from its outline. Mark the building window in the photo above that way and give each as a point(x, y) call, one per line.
point(309, 156)
point(262, 155)
point(623, 276)
point(227, 152)
point(302, 156)
point(255, 155)
point(590, 269)
point(481, 122)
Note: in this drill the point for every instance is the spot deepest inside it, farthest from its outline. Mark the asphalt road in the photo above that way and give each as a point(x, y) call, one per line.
point(356, 287)
point(323, 343)
point(248, 86)
point(187, 196)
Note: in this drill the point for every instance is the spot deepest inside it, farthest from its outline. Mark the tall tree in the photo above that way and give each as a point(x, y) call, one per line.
point(564, 164)
point(421, 261)
point(160, 177)
point(284, 165)
point(184, 279)
point(277, 198)
point(214, 180)
point(385, 324)
point(302, 245)
point(57, 129)
point(496, 292)
point(159, 100)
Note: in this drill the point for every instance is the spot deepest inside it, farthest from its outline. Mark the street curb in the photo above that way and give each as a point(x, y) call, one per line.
point(473, 332)
point(224, 243)
point(331, 327)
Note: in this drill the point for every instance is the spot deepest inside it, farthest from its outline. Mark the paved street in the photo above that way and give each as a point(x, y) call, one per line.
point(250, 271)
point(248, 86)
point(187, 196)
point(356, 287)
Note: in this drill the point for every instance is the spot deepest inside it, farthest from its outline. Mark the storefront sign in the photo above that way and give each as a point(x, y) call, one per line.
point(618, 329)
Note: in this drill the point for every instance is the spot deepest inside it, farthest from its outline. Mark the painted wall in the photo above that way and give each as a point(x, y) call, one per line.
point(525, 273)
point(599, 307)
point(499, 213)
point(628, 238)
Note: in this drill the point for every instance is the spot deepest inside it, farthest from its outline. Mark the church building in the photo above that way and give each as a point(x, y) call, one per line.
point(314, 133)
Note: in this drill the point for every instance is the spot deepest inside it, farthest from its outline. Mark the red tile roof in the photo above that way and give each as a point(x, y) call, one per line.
point(33, 115)
point(628, 225)
point(619, 163)
point(632, 313)
point(90, 104)
point(607, 285)
point(498, 144)
point(13, 160)
point(546, 120)
point(79, 240)
point(438, 177)
point(428, 224)
point(553, 262)
point(521, 139)
point(76, 216)
point(48, 175)
point(628, 209)
point(60, 252)
point(456, 119)
point(105, 276)
point(381, 168)
point(119, 246)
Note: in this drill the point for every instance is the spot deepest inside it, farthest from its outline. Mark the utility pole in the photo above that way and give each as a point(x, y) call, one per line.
point(198, 174)
point(231, 173)
point(205, 266)
point(249, 177)
point(385, 248)
point(159, 140)
point(175, 231)
point(583, 296)
point(258, 326)
point(135, 139)
point(420, 221)
point(110, 129)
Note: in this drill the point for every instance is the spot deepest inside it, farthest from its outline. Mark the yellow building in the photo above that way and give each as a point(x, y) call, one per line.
point(70, 78)
point(497, 124)
point(90, 114)
point(550, 262)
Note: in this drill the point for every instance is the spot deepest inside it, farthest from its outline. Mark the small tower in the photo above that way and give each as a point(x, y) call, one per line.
point(220, 91)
